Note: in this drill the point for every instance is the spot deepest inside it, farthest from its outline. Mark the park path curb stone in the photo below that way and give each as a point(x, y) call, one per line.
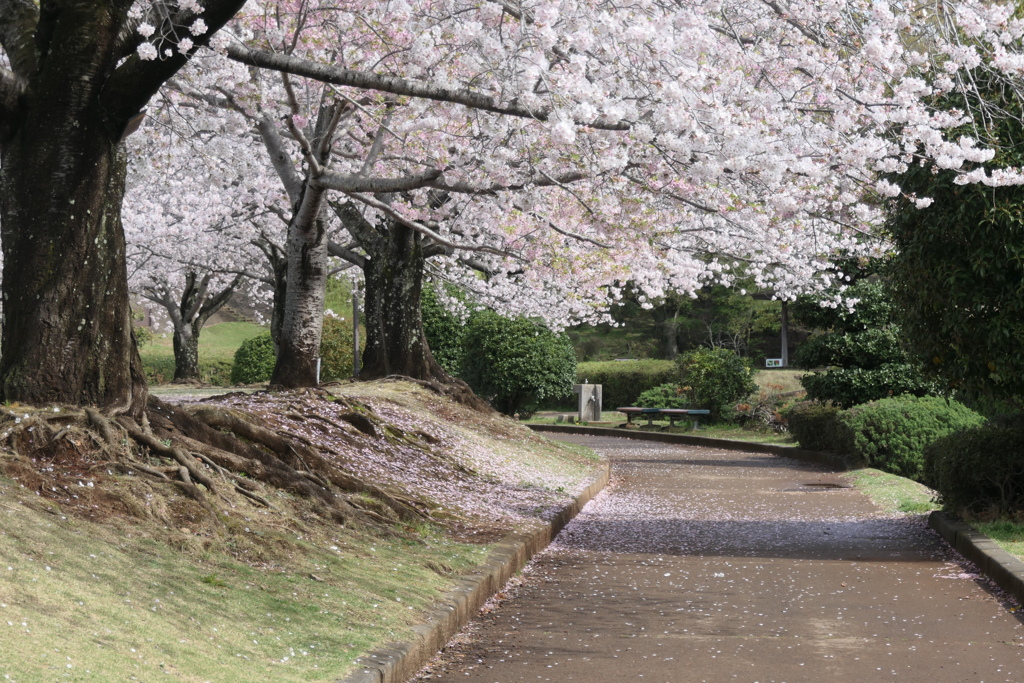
point(399, 662)
point(831, 460)
point(1000, 566)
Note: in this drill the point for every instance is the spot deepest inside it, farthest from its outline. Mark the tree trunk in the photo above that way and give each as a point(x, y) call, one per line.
point(186, 354)
point(67, 333)
point(298, 347)
point(395, 343)
point(72, 85)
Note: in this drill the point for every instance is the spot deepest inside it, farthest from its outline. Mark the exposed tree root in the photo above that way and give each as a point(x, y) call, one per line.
point(214, 456)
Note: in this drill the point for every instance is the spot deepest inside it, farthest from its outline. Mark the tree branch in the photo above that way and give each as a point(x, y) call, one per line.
point(18, 22)
point(359, 183)
point(135, 81)
point(422, 229)
point(345, 253)
point(326, 73)
point(279, 158)
point(11, 88)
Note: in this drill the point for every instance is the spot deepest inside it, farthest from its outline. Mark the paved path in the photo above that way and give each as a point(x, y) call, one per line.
point(708, 565)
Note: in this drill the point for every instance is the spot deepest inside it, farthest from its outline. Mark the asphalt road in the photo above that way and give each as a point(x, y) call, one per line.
point(706, 565)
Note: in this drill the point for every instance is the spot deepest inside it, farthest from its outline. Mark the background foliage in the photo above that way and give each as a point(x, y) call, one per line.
point(958, 271)
point(514, 363)
point(716, 379)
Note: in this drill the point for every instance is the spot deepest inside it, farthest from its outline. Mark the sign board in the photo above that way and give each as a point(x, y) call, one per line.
point(773, 362)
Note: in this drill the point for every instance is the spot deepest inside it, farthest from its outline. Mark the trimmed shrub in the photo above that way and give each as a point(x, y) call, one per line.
point(663, 396)
point(160, 370)
point(335, 349)
point(716, 379)
point(816, 427)
point(514, 363)
point(892, 434)
point(864, 349)
point(978, 469)
point(254, 360)
point(852, 386)
point(622, 382)
point(443, 330)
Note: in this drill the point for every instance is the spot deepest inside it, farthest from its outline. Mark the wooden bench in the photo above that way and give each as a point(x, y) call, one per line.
point(673, 414)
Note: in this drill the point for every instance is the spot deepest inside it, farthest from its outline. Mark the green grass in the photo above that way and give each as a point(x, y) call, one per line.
point(84, 602)
point(1007, 533)
point(893, 493)
point(217, 345)
point(782, 381)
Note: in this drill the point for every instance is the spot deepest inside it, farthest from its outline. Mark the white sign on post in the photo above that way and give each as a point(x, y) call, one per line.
point(773, 362)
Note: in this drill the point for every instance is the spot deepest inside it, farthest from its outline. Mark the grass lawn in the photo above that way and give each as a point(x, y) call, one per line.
point(1009, 534)
point(217, 345)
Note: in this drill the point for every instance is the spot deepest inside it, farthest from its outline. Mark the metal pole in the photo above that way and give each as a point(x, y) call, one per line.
point(355, 332)
point(785, 333)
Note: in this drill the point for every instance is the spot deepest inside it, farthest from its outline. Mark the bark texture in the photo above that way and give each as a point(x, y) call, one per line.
point(395, 343)
point(67, 333)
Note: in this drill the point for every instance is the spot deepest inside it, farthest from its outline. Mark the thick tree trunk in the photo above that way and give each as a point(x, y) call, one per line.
point(67, 333)
point(298, 347)
point(186, 354)
point(395, 343)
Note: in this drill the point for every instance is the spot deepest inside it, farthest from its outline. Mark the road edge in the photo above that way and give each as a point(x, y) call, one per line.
point(1006, 570)
point(831, 460)
point(398, 662)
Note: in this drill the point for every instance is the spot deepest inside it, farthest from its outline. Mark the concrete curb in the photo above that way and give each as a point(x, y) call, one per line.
point(830, 460)
point(1000, 566)
point(399, 662)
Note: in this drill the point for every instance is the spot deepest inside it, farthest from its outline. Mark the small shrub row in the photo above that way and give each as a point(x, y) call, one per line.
point(623, 381)
point(847, 387)
point(978, 470)
point(254, 359)
point(160, 370)
point(890, 434)
point(671, 395)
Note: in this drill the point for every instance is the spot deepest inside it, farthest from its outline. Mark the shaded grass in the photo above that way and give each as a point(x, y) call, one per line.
point(893, 493)
point(88, 602)
point(217, 345)
point(250, 593)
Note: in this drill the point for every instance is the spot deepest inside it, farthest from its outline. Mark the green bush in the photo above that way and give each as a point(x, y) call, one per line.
point(663, 396)
point(864, 349)
point(716, 379)
point(160, 370)
point(254, 360)
point(892, 434)
point(143, 336)
point(816, 426)
point(848, 387)
point(443, 329)
point(514, 363)
point(622, 382)
point(336, 349)
point(979, 469)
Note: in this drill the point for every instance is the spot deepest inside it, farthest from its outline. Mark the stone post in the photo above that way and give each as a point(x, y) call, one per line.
point(588, 401)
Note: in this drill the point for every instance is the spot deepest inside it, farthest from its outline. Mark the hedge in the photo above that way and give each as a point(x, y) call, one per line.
point(890, 434)
point(160, 370)
point(979, 469)
point(622, 382)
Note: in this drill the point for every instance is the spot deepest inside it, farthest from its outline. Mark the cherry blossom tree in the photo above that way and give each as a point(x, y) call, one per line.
point(72, 85)
point(197, 209)
point(683, 142)
point(673, 143)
